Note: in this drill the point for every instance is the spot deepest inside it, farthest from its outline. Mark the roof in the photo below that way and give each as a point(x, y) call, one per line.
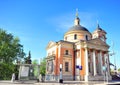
point(78, 27)
point(99, 29)
point(66, 42)
point(97, 41)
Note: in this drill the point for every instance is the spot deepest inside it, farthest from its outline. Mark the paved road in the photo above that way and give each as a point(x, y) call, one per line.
point(55, 83)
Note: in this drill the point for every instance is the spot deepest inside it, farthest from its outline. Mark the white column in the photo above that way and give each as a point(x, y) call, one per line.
point(61, 76)
point(77, 64)
point(94, 62)
point(80, 63)
point(107, 65)
point(86, 64)
point(80, 56)
point(101, 62)
point(98, 66)
point(91, 63)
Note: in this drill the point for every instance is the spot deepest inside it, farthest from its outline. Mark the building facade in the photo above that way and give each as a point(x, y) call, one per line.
point(82, 55)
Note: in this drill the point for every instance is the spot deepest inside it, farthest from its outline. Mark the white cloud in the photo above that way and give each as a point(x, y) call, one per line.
point(65, 21)
point(21, 34)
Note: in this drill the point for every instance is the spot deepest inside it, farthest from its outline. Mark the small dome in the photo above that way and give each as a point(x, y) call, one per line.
point(98, 28)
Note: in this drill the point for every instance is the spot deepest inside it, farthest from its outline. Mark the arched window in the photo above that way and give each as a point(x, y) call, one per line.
point(86, 37)
point(65, 38)
point(66, 52)
point(75, 36)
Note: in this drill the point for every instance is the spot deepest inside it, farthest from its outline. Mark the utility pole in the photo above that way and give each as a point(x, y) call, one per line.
point(113, 53)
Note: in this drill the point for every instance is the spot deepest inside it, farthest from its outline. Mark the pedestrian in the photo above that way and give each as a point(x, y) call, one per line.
point(13, 77)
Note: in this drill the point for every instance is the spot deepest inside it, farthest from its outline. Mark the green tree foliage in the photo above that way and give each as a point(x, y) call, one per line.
point(10, 50)
point(43, 66)
point(35, 62)
point(10, 47)
point(119, 69)
point(6, 71)
point(35, 69)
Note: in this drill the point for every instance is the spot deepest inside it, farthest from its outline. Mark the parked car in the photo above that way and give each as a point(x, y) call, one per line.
point(118, 75)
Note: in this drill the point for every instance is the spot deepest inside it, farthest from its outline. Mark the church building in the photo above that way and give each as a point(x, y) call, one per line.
point(81, 55)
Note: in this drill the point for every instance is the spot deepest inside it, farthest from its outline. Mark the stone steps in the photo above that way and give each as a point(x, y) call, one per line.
point(96, 78)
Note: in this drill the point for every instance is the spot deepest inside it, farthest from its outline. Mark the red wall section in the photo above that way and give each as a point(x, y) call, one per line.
point(56, 62)
point(82, 72)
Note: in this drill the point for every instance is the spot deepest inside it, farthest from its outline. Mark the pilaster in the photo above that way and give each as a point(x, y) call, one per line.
point(86, 64)
point(94, 62)
point(100, 55)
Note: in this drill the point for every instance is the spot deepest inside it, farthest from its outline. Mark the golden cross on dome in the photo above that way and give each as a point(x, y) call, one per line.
point(98, 24)
point(77, 12)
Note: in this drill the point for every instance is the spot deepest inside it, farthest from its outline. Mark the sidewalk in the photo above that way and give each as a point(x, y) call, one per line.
point(80, 83)
point(34, 82)
point(8, 82)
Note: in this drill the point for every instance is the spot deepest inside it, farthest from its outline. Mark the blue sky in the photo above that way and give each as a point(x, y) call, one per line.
point(36, 22)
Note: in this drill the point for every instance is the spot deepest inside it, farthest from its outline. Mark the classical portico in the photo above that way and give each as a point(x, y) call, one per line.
point(95, 52)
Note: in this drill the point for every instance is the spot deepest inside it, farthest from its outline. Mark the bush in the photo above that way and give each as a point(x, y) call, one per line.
point(6, 70)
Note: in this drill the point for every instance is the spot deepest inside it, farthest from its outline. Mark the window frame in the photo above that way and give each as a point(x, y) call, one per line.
point(75, 36)
point(66, 52)
point(86, 37)
point(66, 66)
point(66, 38)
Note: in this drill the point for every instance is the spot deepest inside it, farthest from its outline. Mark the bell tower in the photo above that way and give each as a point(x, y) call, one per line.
point(99, 33)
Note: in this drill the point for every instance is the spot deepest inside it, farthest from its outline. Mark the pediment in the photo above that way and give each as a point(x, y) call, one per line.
point(50, 44)
point(98, 41)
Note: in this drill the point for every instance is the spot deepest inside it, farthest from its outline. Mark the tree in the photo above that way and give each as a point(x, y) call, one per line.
point(10, 50)
point(119, 69)
point(43, 66)
point(6, 70)
point(35, 62)
point(10, 47)
point(35, 68)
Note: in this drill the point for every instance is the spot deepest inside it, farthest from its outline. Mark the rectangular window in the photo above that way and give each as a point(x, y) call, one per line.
point(50, 66)
point(66, 66)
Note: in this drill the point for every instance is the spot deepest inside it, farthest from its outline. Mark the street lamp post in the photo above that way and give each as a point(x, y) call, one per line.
point(114, 58)
point(115, 65)
point(111, 54)
point(61, 78)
